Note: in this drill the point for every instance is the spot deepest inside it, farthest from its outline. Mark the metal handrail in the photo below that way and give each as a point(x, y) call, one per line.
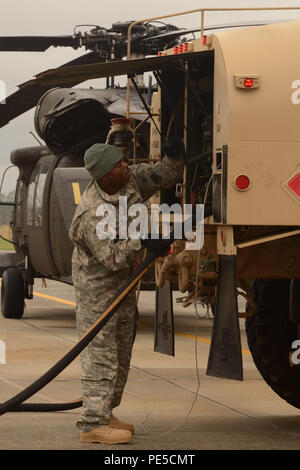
point(187, 12)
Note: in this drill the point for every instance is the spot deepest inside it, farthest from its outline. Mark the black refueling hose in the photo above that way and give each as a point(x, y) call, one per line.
point(16, 403)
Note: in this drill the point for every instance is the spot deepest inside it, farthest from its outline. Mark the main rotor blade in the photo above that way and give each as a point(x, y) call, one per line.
point(36, 43)
point(182, 32)
point(172, 34)
point(65, 75)
point(27, 97)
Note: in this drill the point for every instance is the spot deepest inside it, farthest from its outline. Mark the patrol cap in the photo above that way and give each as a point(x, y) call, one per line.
point(99, 159)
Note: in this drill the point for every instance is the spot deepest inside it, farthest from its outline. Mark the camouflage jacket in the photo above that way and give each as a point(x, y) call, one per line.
point(106, 263)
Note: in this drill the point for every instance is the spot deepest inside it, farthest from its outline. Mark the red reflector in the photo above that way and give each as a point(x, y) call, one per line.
point(121, 121)
point(248, 83)
point(294, 184)
point(185, 47)
point(175, 50)
point(242, 182)
point(159, 53)
point(180, 48)
point(204, 38)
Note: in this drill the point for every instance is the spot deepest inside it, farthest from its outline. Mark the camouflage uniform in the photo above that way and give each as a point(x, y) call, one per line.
point(99, 268)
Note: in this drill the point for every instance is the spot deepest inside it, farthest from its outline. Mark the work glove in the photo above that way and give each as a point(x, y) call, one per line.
point(159, 247)
point(173, 147)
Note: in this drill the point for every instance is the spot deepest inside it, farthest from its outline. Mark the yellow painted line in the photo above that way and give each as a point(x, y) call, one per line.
point(141, 322)
point(56, 299)
point(179, 333)
point(205, 340)
point(187, 335)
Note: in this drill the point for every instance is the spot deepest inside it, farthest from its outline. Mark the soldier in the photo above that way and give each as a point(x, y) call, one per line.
point(99, 267)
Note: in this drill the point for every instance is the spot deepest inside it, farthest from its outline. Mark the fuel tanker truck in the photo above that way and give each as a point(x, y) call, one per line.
point(233, 97)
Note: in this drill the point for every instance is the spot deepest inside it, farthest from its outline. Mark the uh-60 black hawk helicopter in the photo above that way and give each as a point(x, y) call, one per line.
point(69, 120)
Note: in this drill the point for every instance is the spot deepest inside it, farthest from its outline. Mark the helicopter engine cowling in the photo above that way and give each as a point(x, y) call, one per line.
point(70, 120)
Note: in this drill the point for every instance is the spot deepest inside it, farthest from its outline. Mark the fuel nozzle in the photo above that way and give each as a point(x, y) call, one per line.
point(121, 135)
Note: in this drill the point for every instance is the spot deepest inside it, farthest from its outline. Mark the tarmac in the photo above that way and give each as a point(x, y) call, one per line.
point(171, 401)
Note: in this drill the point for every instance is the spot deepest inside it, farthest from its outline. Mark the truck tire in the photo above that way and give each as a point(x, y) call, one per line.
point(270, 335)
point(12, 293)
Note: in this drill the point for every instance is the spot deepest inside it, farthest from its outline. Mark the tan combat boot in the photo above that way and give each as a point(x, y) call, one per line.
point(116, 424)
point(105, 434)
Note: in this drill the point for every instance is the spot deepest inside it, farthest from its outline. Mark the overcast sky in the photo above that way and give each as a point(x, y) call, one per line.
point(51, 17)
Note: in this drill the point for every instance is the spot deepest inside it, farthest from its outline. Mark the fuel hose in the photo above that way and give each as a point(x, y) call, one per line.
point(16, 402)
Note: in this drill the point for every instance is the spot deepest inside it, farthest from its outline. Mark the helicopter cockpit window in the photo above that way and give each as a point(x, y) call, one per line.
point(30, 196)
point(19, 200)
point(35, 196)
point(39, 195)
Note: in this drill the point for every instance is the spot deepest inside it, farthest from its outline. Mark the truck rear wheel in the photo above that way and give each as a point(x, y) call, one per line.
point(12, 293)
point(270, 335)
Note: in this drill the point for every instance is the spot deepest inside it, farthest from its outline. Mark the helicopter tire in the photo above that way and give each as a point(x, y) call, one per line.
point(270, 334)
point(12, 293)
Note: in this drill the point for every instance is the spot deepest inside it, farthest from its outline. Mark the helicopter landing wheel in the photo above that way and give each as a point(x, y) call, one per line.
point(12, 293)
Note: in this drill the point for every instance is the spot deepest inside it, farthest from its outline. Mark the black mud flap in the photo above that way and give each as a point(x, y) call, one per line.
point(225, 355)
point(164, 320)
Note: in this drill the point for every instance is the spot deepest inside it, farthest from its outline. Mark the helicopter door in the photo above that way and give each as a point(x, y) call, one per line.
point(37, 220)
point(7, 198)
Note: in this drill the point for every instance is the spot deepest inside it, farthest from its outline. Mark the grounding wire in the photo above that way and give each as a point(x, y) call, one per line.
point(197, 318)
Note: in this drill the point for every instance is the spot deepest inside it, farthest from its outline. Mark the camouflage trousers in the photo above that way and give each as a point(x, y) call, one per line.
point(105, 361)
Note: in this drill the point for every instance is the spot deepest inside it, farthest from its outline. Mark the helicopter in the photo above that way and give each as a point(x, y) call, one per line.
point(69, 120)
